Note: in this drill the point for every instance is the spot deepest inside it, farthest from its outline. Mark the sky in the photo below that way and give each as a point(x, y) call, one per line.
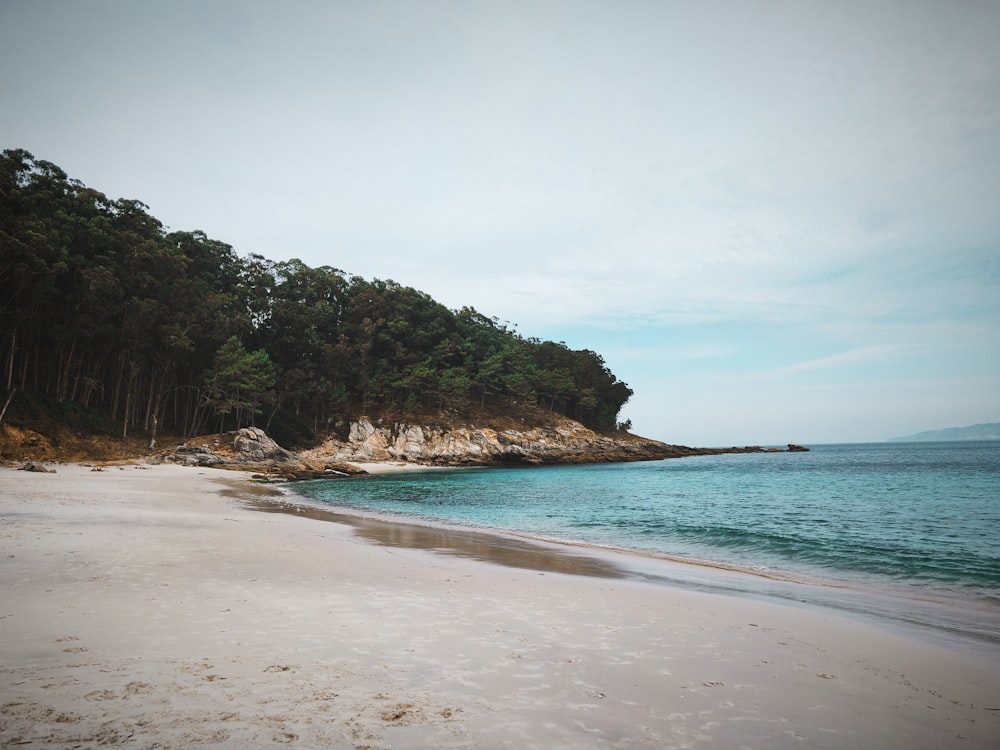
point(776, 221)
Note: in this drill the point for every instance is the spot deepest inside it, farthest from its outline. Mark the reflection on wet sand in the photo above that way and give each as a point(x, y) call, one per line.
point(477, 545)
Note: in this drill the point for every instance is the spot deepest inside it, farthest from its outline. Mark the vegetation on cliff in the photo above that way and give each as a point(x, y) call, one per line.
point(103, 311)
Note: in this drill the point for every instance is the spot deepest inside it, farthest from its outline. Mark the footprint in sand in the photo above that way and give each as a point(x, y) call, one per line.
point(138, 688)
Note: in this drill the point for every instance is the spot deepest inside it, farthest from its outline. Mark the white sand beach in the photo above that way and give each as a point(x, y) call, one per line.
point(145, 606)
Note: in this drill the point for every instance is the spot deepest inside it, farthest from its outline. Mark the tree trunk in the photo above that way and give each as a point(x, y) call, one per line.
point(10, 358)
point(133, 373)
point(151, 402)
point(128, 400)
point(65, 365)
point(24, 369)
point(116, 391)
point(3, 413)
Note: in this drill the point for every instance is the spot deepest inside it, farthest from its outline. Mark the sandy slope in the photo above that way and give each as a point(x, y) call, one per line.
point(143, 606)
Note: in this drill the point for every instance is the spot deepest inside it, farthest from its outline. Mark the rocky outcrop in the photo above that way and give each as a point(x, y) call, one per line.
point(792, 448)
point(498, 442)
point(250, 449)
point(559, 442)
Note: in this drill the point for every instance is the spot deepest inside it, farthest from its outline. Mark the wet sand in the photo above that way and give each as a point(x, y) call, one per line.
point(150, 607)
point(482, 546)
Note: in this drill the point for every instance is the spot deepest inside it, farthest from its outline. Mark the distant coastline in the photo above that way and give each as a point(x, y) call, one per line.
point(987, 431)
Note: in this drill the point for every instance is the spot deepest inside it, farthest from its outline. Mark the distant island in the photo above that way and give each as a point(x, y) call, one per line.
point(988, 431)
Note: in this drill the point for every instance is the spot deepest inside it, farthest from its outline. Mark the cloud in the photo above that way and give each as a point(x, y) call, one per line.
point(854, 357)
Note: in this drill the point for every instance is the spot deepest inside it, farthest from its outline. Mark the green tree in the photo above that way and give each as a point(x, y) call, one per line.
point(239, 383)
point(101, 306)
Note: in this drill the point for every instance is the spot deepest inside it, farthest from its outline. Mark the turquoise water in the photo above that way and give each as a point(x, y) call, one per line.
point(917, 522)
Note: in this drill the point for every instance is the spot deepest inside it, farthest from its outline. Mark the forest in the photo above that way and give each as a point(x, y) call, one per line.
point(104, 311)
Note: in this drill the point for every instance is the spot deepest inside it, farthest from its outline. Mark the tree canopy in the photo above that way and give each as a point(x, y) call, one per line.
point(101, 306)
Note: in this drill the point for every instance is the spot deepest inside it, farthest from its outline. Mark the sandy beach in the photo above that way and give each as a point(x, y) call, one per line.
point(150, 606)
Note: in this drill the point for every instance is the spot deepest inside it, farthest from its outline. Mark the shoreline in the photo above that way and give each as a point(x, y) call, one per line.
point(916, 614)
point(143, 605)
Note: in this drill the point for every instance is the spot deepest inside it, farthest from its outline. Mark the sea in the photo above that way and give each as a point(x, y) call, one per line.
point(906, 534)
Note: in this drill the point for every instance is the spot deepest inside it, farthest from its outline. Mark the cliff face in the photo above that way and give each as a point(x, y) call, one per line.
point(563, 441)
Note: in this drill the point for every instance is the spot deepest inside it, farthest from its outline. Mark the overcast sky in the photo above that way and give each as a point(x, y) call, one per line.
point(777, 221)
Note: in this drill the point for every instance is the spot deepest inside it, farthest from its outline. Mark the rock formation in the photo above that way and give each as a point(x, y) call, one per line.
point(559, 442)
point(250, 449)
